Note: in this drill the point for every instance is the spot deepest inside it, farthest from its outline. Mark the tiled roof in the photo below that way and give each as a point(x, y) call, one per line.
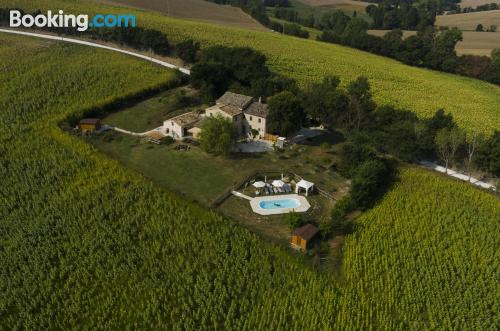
point(236, 100)
point(306, 232)
point(230, 110)
point(186, 119)
point(199, 123)
point(90, 121)
point(257, 109)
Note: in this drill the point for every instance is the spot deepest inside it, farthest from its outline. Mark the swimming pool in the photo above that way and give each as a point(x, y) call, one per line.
point(277, 204)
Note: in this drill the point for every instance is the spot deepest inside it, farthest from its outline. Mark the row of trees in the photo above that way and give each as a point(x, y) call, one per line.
point(242, 70)
point(481, 28)
point(430, 47)
point(485, 7)
point(390, 15)
point(397, 132)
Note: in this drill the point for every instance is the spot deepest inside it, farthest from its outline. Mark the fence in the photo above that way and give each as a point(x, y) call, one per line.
point(238, 185)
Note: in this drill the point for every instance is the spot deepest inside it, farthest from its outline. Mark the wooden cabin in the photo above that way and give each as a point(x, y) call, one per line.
point(302, 236)
point(89, 124)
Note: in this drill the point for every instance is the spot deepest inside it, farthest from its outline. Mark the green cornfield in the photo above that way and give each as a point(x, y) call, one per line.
point(88, 244)
point(474, 104)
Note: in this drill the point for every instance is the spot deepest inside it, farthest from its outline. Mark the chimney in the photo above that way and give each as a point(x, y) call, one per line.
point(260, 99)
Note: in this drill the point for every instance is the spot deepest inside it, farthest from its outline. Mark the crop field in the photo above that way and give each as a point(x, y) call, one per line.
point(475, 43)
point(308, 7)
point(198, 10)
point(431, 242)
point(422, 91)
point(475, 3)
point(353, 3)
point(87, 243)
point(469, 21)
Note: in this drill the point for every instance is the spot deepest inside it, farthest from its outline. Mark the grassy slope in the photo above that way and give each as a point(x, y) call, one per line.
point(115, 251)
point(473, 103)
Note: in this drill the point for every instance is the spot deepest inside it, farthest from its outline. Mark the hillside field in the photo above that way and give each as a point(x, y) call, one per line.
point(198, 10)
point(469, 21)
point(473, 103)
point(475, 3)
point(318, 8)
point(87, 243)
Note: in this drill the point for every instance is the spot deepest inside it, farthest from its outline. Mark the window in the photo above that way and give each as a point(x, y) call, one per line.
point(250, 118)
point(172, 123)
point(260, 120)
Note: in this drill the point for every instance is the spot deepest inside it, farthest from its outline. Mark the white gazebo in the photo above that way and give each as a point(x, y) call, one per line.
point(307, 186)
point(278, 183)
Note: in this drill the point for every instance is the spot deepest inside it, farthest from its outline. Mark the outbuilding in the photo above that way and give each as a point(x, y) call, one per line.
point(302, 236)
point(89, 124)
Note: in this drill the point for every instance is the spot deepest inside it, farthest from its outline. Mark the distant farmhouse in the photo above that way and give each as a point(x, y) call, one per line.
point(247, 114)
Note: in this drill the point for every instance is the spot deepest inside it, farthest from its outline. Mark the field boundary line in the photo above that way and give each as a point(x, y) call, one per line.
point(87, 43)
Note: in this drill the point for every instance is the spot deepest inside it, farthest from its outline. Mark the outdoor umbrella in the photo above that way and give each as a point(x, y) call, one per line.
point(278, 183)
point(259, 184)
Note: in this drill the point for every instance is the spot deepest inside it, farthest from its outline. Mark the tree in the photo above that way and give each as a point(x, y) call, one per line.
point(492, 74)
point(218, 135)
point(286, 114)
point(448, 140)
point(360, 101)
point(187, 50)
point(354, 152)
point(473, 140)
point(442, 55)
point(488, 154)
point(369, 183)
point(324, 102)
point(479, 28)
point(294, 220)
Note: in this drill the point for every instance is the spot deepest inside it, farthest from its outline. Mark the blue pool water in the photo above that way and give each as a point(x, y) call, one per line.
point(278, 204)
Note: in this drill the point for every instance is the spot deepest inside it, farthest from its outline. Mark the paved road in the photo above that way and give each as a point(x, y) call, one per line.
point(87, 43)
point(449, 172)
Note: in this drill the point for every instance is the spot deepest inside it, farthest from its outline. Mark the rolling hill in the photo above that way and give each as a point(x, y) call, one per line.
point(89, 244)
point(469, 21)
point(475, 43)
point(198, 10)
point(473, 103)
point(475, 3)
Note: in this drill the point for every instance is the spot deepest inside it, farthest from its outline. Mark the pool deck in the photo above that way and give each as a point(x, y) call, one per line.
point(255, 204)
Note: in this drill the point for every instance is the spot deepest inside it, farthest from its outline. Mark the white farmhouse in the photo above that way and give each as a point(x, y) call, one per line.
point(249, 117)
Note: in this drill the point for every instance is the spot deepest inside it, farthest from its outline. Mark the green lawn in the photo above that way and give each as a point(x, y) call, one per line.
point(151, 113)
point(203, 177)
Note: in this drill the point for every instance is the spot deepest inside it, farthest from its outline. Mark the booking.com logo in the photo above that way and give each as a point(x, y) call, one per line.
point(61, 20)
